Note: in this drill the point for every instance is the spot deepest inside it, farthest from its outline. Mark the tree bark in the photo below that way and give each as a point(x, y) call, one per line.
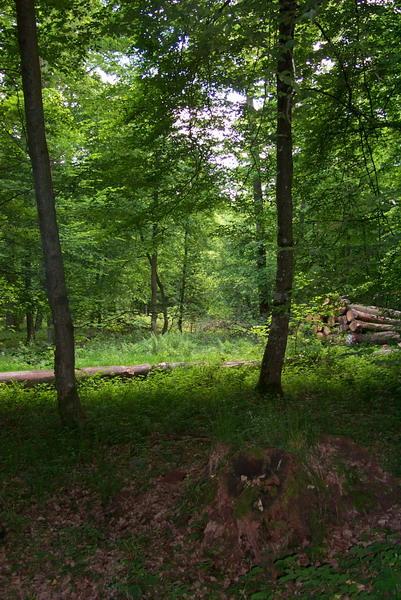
point(376, 310)
point(273, 359)
point(153, 280)
point(155, 284)
point(258, 208)
point(164, 303)
point(29, 313)
point(381, 337)
point(50, 337)
point(30, 327)
point(371, 318)
point(153, 291)
point(356, 326)
point(32, 378)
point(38, 320)
point(181, 305)
point(343, 323)
point(68, 398)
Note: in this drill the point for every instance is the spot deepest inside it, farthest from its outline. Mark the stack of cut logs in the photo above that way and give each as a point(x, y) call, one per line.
point(363, 324)
point(370, 324)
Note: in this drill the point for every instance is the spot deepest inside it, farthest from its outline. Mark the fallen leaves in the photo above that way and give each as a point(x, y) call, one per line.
point(79, 547)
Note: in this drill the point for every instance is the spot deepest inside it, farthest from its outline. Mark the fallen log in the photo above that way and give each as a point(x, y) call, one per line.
point(356, 326)
point(376, 310)
point(32, 378)
point(353, 313)
point(381, 337)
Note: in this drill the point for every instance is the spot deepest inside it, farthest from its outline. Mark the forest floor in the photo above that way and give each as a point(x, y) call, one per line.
point(117, 510)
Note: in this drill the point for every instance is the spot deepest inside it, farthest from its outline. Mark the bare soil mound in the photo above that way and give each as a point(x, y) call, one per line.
point(269, 502)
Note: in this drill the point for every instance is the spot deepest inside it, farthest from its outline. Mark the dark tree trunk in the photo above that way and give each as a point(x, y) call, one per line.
point(10, 320)
point(96, 316)
point(68, 398)
point(30, 327)
point(153, 290)
point(263, 288)
point(181, 306)
point(38, 320)
point(50, 331)
point(156, 283)
point(164, 303)
point(273, 359)
point(258, 208)
point(29, 313)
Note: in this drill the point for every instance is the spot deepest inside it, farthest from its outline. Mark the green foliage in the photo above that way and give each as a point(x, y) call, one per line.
point(371, 571)
point(147, 123)
point(155, 153)
point(114, 349)
point(345, 394)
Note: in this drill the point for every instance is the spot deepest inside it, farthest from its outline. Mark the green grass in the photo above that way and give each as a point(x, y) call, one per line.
point(127, 350)
point(359, 396)
point(338, 391)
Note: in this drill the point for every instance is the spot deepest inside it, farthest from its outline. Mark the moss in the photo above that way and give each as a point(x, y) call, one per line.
point(278, 526)
point(318, 531)
point(196, 497)
point(244, 504)
point(362, 498)
point(208, 492)
point(296, 485)
point(256, 452)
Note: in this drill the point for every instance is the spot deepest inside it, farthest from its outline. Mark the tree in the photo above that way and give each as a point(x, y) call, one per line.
point(191, 119)
point(273, 358)
point(258, 207)
point(67, 393)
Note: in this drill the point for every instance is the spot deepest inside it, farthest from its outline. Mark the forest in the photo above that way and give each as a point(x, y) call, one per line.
point(200, 299)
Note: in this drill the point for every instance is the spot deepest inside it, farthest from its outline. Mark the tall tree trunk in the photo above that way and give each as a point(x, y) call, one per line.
point(38, 320)
point(183, 280)
point(68, 398)
point(156, 283)
point(96, 314)
point(273, 359)
point(164, 303)
point(261, 263)
point(30, 327)
point(29, 313)
point(12, 319)
point(153, 289)
point(258, 209)
point(50, 337)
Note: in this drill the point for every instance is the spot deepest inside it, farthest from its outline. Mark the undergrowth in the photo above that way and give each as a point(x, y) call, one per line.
point(130, 350)
point(372, 571)
point(339, 392)
point(358, 396)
